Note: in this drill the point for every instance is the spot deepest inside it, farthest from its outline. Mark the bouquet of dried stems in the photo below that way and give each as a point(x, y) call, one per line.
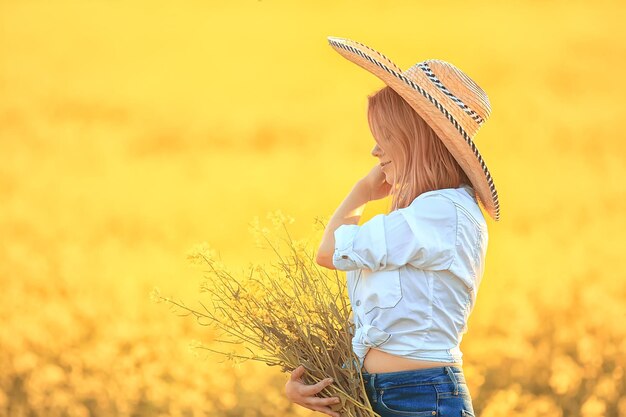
point(288, 314)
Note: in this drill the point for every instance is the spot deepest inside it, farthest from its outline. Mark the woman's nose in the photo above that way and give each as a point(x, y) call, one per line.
point(376, 151)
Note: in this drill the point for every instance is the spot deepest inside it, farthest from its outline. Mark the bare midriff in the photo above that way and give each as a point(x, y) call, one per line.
point(377, 361)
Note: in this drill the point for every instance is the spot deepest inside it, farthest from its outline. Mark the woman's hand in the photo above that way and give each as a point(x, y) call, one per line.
point(375, 183)
point(304, 395)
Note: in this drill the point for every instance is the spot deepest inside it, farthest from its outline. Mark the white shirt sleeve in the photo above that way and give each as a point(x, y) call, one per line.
point(422, 235)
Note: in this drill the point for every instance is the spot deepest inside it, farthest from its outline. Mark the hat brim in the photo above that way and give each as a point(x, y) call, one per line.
point(454, 126)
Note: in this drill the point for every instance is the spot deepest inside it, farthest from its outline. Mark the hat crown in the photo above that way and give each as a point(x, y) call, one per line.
point(456, 85)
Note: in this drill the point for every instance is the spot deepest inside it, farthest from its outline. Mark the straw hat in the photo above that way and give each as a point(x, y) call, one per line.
point(446, 98)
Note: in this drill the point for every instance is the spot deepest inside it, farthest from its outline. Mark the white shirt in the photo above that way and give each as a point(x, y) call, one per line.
point(413, 275)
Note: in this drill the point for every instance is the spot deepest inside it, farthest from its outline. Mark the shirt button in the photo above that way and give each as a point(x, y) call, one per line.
point(344, 256)
point(358, 302)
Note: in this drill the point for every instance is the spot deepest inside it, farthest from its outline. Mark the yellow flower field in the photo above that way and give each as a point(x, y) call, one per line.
point(132, 131)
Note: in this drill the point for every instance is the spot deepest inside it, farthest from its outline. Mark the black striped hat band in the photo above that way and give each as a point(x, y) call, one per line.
point(433, 78)
point(430, 98)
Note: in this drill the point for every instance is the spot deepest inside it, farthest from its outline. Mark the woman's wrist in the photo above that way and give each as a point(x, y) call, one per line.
point(348, 212)
point(362, 189)
point(353, 205)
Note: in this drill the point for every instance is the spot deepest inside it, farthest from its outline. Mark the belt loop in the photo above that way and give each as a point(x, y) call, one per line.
point(454, 381)
point(373, 387)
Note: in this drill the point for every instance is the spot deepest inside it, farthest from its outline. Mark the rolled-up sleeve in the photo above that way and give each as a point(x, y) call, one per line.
point(422, 235)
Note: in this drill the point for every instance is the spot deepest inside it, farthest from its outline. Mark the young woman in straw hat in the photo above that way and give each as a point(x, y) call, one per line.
point(413, 273)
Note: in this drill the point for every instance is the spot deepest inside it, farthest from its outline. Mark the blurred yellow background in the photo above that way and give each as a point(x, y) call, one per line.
point(133, 130)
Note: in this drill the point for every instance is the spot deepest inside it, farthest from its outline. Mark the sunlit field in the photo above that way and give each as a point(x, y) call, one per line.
point(131, 131)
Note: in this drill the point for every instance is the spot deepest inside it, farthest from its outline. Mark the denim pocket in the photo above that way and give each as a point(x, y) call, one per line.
point(410, 400)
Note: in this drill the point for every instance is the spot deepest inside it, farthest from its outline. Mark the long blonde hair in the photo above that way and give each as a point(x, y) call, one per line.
point(421, 160)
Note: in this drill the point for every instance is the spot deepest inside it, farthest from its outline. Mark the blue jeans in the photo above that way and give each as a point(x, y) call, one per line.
point(439, 391)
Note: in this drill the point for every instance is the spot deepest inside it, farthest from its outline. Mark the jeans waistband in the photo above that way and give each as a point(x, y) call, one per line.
point(440, 374)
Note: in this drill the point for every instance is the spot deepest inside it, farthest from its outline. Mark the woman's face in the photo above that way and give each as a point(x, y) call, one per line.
point(385, 161)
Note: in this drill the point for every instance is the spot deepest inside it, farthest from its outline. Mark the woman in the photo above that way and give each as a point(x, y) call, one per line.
point(413, 273)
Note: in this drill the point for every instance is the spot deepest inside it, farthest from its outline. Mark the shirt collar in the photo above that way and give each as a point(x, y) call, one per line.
point(469, 189)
